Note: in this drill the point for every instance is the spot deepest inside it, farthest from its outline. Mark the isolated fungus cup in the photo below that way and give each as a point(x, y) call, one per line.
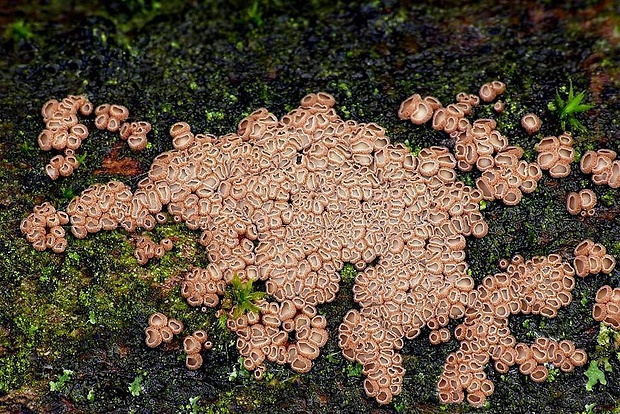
point(531, 123)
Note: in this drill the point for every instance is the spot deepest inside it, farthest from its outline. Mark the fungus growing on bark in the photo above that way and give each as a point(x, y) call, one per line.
point(607, 306)
point(161, 329)
point(531, 123)
point(287, 202)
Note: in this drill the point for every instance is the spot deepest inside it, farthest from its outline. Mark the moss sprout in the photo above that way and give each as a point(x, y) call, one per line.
point(567, 108)
point(242, 297)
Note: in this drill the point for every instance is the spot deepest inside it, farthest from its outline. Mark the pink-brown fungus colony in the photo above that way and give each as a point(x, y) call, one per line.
point(64, 134)
point(288, 201)
point(607, 307)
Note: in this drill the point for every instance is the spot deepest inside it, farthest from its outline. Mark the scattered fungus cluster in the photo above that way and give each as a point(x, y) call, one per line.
point(556, 154)
point(110, 117)
point(504, 175)
point(161, 329)
point(603, 166)
point(287, 332)
point(103, 207)
point(289, 201)
point(540, 286)
point(607, 306)
point(147, 249)
point(64, 134)
point(201, 286)
point(490, 90)
point(592, 258)
point(192, 345)
point(43, 228)
point(135, 134)
point(582, 202)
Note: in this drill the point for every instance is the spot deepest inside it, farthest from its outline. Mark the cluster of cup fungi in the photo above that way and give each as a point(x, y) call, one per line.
point(555, 154)
point(607, 306)
point(289, 201)
point(603, 166)
point(63, 132)
point(44, 228)
point(540, 286)
point(147, 249)
point(162, 329)
point(581, 203)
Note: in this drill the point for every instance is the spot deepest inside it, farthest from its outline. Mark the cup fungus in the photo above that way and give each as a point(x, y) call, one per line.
point(318, 192)
point(531, 123)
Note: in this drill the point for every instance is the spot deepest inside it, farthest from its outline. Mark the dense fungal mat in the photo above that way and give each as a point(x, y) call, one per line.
point(289, 201)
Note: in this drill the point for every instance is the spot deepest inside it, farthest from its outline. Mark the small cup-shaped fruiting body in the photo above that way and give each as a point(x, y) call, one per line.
point(512, 197)
point(166, 334)
point(566, 155)
point(608, 262)
point(422, 113)
point(86, 108)
point(183, 141)
point(498, 107)
point(166, 244)
point(547, 159)
point(582, 266)
point(604, 294)
point(573, 203)
point(539, 374)
point(191, 345)
point(599, 312)
point(479, 229)
point(101, 121)
point(137, 142)
point(614, 175)
point(153, 337)
point(175, 325)
point(578, 358)
point(528, 366)
point(440, 117)
point(59, 142)
point(201, 336)
point(476, 399)
point(102, 109)
point(487, 93)
point(73, 142)
point(498, 86)
point(559, 170)
point(588, 199)
point(66, 169)
point(118, 112)
point(301, 364)
point(52, 171)
point(409, 106)
point(179, 128)
point(531, 123)
point(325, 99)
point(588, 162)
point(607, 153)
point(193, 361)
point(48, 109)
point(45, 140)
point(584, 248)
point(126, 130)
point(158, 320)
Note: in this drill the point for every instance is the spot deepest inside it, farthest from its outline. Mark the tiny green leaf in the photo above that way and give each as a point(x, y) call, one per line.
point(595, 375)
